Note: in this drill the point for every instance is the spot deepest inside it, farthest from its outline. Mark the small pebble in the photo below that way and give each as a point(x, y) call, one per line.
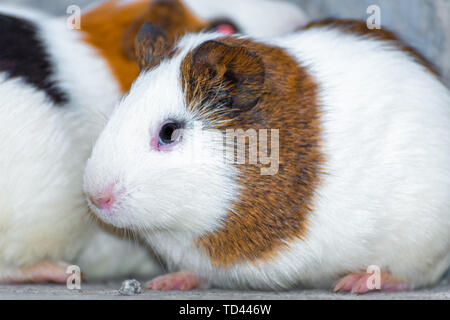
point(130, 288)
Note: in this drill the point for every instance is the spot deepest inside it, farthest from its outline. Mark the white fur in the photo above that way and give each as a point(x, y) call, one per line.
point(384, 199)
point(43, 214)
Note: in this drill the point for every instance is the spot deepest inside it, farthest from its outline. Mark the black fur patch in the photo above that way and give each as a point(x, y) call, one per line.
point(23, 55)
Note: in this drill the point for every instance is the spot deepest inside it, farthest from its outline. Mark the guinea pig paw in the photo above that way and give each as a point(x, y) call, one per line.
point(183, 281)
point(44, 271)
point(361, 283)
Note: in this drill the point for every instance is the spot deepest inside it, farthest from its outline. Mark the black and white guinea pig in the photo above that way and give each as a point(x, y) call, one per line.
point(351, 129)
point(55, 94)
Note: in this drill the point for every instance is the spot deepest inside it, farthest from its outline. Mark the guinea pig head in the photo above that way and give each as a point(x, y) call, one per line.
point(166, 155)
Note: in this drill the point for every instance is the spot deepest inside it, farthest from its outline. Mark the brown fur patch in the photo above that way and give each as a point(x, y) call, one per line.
point(360, 28)
point(112, 27)
point(271, 209)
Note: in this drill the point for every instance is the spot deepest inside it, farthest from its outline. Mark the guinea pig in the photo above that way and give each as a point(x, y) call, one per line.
point(347, 167)
point(58, 86)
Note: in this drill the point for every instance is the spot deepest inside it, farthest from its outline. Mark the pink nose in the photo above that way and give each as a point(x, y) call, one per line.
point(104, 200)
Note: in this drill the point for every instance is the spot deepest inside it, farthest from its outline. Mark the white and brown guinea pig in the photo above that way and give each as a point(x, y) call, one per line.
point(364, 161)
point(111, 26)
point(57, 87)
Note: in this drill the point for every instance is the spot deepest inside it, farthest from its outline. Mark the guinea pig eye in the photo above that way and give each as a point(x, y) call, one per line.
point(170, 132)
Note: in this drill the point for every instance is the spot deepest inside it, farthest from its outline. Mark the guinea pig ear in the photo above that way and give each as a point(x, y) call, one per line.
point(170, 15)
point(236, 71)
point(151, 46)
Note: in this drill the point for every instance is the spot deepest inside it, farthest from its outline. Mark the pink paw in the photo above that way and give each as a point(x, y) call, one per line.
point(360, 283)
point(44, 271)
point(176, 281)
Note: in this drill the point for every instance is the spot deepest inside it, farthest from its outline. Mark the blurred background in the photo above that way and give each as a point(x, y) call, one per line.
point(423, 24)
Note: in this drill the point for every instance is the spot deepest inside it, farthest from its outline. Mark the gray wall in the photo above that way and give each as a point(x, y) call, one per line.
point(424, 24)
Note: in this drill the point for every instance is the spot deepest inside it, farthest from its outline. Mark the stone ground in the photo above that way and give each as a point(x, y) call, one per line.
point(109, 291)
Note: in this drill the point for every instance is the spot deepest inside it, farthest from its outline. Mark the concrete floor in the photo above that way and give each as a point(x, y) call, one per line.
point(109, 291)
